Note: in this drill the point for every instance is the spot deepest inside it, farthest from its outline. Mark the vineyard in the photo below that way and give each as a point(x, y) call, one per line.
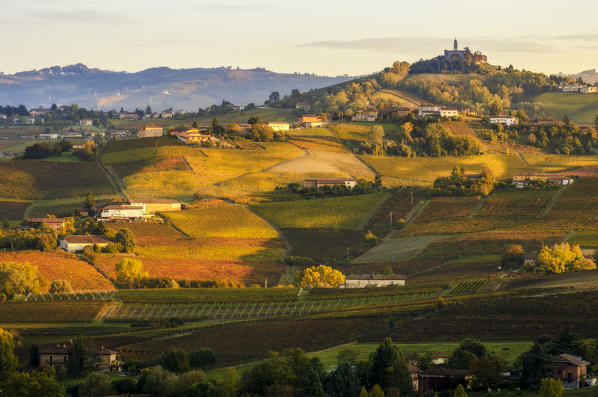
point(13, 210)
point(469, 287)
point(345, 212)
point(31, 179)
point(399, 249)
point(59, 265)
point(54, 312)
point(516, 204)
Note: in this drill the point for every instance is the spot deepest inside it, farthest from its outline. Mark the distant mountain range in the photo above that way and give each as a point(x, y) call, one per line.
point(161, 87)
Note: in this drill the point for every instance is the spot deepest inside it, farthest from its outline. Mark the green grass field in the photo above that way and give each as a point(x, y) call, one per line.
point(398, 249)
point(345, 212)
point(581, 108)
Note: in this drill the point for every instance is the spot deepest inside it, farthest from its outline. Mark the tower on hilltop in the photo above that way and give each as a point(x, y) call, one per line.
point(455, 46)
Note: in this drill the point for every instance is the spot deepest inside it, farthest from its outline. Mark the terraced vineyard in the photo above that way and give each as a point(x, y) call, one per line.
point(251, 310)
point(469, 287)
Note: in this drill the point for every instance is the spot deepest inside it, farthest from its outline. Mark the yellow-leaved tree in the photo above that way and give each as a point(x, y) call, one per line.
point(561, 258)
point(130, 272)
point(321, 276)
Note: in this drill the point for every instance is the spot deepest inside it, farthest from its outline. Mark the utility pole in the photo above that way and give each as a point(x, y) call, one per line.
point(347, 254)
point(411, 198)
point(391, 219)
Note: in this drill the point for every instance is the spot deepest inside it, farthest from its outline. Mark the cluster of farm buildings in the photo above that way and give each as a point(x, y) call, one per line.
point(132, 210)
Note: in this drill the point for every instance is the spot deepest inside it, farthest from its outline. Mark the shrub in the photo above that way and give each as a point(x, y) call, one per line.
point(201, 357)
point(514, 256)
point(176, 361)
point(60, 287)
point(20, 279)
point(371, 238)
point(111, 248)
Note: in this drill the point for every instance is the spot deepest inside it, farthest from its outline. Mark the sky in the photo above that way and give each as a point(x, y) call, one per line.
point(326, 37)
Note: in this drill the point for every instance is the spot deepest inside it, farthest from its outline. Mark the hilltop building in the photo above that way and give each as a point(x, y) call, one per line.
point(391, 113)
point(478, 57)
point(122, 211)
point(156, 205)
point(86, 123)
point(579, 88)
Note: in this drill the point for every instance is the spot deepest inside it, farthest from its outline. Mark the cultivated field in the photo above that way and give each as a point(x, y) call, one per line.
point(13, 210)
point(219, 219)
point(166, 252)
point(35, 179)
point(398, 249)
point(60, 265)
point(345, 212)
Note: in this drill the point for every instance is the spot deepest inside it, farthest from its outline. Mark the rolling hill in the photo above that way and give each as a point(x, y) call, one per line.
point(161, 87)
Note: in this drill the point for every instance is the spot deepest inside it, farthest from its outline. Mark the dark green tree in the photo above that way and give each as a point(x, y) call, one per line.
point(466, 352)
point(176, 361)
point(126, 239)
point(34, 355)
point(388, 368)
point(343, 381)
point(537, 363)
point(35, 384)
point(77, 361)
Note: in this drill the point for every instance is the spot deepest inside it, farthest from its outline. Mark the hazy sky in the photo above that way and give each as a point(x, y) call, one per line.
point(322, 36)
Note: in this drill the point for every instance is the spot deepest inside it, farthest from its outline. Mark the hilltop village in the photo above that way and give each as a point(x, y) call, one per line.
point(431, 229)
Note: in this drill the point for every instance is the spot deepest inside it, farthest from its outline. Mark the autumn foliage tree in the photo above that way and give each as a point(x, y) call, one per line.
point(322, 276)
point(561, 258)
point(130, 272)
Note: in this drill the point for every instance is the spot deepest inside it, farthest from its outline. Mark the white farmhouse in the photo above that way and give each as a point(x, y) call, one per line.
point(122, 211)
point(76, 242)
point(506, 121)
point(373, 280)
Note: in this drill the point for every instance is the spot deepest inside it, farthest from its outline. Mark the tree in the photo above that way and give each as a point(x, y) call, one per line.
point(274, 97)
point(77, 361)
point(148, 109)
point(388, 368)
point(363, 392)
point(130, 272)
point(487, 371)
point(176, 361)
point(347, 355)
point(514, 256)
point(343, 381)
point(60, 287)
point(232, 129)
point(375, 138)
point(96, 384)
point(261, 132)
point(561, 258)
point(89, 201)
point(126, 240)
point(537, 363)
point(194, 124)
point(551, 387)
point(8, 360)
point(376, 392)
point(19, 279)
point(459, 392)
point(37, 151)
point(201, 357)
point(322, 277)
point(467, 351)
point(35, 384)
